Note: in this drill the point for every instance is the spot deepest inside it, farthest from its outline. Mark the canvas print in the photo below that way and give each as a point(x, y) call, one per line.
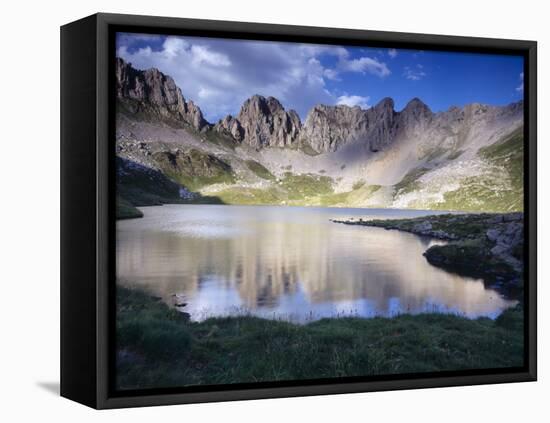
point(294, 212)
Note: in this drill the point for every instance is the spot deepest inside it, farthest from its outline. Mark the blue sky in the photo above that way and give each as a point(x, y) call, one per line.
point(219, 74)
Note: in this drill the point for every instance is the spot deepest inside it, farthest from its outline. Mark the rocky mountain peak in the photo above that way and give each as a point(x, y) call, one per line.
point(194, 116)
point(386, 104)
point(417, 107)
point(513, 108)
point(416, 113)
point(474, 109)
point(265, 123)
point(230, 126)
point(260, 106)
point(327, 128)
point(150, 86)
point(152, 91)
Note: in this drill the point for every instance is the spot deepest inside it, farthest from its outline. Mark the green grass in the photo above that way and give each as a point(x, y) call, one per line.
point(482, 193)
point(508, 153)
point(252, 196)
point(470, 257)
point(259, 170)
point(334, 199)
point(358, 184)
point(218, 139)
point(142, 186)
point(500, 189)
point(160, 347)
point(299, 190)
point(291, 189)
point(434, 153)
point(410, 183)
point(455, 154)
point(357, 197)
point(125, 210)
point(194, 169)
point(306, 185)
point(195, 183)
point(457, 226)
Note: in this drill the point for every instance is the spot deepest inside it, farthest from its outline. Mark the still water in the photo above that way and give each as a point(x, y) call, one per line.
point(289, 263)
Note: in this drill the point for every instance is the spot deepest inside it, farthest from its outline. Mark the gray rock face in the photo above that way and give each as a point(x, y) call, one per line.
point(382, 126)
point(507, 236)
point(194, 115)
point(230, 126)
point(151, 89)
point(422, 228)
point(415, 117)
point(327, 128)
point(265, 123)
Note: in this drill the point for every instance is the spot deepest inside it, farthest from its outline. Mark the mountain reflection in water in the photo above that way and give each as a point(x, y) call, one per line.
point(289, 263)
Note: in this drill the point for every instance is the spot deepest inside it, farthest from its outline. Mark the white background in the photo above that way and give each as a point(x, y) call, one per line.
point(29, 231)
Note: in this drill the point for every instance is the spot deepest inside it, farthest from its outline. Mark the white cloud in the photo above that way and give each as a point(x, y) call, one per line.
point(203, 55)
point(173, 46)
point(362, 65)
point(354, 100)
point(414, 74)
point(331, 74)
point(365, 65)
point(220, 74)
point(519, 88)
point(392, 53)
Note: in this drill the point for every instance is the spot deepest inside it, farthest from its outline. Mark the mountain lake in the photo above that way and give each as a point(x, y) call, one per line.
point(289, 263)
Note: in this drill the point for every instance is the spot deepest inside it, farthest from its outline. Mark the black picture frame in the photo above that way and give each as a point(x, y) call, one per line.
point(87, 209)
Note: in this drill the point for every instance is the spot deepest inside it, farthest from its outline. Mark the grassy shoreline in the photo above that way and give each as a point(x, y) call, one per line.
point(160, 347)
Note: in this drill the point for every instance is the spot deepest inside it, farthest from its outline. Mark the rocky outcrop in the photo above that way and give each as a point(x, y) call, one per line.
point(262, 122)
point(140, 185)
point(327, 128)
point(382, 125)
point(230, 126)
point(193, 168)
point(193, 115)
point(151, 91)
point(265, 123)
point(506, 235)
point(414, 119)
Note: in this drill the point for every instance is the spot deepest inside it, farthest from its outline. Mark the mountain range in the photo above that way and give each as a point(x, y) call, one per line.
point(468, 158)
